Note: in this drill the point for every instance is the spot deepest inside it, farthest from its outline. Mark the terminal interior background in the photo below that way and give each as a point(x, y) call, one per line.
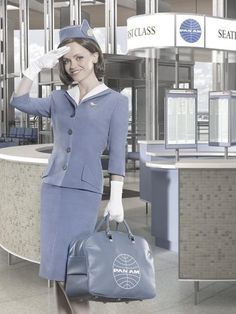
point(30, 28)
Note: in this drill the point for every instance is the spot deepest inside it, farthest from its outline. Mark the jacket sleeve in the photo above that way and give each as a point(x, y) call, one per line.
point(117, 137)
point(34, 106)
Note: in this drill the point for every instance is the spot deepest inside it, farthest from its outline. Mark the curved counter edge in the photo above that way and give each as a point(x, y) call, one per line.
point(19, 256)
point(189, 163)
point(27, 153)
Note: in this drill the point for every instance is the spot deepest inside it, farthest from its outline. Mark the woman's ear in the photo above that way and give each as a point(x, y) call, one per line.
point(95, 57)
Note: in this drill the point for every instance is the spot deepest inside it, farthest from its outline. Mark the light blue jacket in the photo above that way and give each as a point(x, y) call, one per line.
point(81, 134)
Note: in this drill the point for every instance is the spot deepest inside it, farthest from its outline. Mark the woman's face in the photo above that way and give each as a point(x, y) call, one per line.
point(79, 62)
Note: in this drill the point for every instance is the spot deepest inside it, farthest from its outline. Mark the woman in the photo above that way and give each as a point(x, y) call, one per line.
point(86, 119)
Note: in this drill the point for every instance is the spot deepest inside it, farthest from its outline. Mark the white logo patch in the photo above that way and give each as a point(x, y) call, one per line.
point(126, 271)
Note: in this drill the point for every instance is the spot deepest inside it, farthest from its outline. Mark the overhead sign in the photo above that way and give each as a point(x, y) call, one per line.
point(190, 31)
point(220, 34)
point(147, 31)
point(168, 30)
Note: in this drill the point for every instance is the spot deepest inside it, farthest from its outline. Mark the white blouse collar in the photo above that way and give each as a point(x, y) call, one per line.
point(74, 92)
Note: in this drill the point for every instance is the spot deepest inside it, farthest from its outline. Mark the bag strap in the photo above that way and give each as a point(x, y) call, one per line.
point(100, 224)
point(130, 234)
point(106, 221)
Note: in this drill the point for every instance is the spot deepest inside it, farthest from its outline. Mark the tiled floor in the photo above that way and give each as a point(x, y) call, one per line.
point(23, 292)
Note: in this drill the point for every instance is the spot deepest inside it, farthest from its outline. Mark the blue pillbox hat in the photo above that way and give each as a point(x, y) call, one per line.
point(77, 31)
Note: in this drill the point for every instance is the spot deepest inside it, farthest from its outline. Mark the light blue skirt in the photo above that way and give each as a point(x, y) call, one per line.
point(65, 215)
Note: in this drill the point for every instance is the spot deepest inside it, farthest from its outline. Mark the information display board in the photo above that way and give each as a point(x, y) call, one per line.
point(233, 118)
point(181, 118)
point(222, 118)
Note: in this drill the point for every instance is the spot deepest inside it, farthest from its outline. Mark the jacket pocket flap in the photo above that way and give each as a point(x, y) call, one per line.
point(89, 177)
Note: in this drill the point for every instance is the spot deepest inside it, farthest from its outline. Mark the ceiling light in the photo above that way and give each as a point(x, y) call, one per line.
point(12, 7)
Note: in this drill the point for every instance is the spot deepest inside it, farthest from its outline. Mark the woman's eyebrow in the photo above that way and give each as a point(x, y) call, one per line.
point(74, 56)
point(77, 55)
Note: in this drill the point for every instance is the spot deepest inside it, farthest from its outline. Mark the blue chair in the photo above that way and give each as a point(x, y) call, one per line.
point(134, 156)
point(20, 133)
point(11, 136)
point(28, 133)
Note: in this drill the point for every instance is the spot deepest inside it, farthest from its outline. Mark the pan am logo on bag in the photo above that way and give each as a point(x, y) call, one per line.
point(126, 271)
point(190, 30)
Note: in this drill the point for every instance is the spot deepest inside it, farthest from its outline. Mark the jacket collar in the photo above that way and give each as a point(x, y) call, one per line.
point(74, 92)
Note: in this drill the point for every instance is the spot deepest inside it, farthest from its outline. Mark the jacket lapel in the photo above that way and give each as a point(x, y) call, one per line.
point(71, 96)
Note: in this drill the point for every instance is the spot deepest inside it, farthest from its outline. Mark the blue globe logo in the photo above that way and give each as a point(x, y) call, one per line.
point(190, 30)
point(126, 271)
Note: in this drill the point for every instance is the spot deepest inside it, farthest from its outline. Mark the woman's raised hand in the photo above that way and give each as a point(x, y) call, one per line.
point(47, 61)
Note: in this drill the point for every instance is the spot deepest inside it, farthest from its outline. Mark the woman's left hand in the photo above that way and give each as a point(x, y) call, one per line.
point(115, 206)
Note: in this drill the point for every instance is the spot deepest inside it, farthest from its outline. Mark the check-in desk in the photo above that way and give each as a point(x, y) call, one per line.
point(194, 212)
point(20, 181)
point(155, 150)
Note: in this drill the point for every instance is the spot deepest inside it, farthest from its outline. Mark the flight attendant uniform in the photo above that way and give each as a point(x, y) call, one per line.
point(73, 181)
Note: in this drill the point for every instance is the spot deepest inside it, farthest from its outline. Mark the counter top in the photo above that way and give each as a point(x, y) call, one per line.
point(27, 153)
point(154, 142)
point(190, 154)
point(162, 142)
point(194, 164)
point(35, 154)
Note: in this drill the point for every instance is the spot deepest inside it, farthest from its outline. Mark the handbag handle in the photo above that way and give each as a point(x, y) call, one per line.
point(106, 221)
point(130, 234)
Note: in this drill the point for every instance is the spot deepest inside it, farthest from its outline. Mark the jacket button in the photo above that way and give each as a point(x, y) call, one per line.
point(68, 150)
point(64, 167)
point(70, 132)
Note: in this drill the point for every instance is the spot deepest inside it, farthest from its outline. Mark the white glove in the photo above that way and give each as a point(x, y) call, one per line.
point(114, 206)
point(47, 61)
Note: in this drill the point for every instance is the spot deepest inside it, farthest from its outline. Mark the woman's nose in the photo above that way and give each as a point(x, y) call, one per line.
point(73, 63)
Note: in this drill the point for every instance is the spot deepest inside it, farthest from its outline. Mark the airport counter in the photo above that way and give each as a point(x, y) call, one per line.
point(20, 183)
point(194, 213)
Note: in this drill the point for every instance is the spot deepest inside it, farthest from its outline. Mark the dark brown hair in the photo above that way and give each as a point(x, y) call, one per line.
point(92, 47)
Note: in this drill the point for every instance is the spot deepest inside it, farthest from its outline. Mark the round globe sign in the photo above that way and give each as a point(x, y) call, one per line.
point(190, 30)
point(126, 271)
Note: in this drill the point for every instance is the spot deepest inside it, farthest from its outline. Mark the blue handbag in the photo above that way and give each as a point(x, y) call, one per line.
point(110, 266)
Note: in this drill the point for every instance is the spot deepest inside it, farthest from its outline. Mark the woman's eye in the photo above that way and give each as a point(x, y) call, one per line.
point(65, 61)
point(78, 58)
